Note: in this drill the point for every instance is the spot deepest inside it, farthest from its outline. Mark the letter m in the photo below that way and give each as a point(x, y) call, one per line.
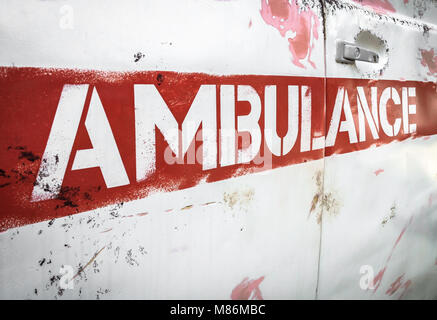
point(151, 112)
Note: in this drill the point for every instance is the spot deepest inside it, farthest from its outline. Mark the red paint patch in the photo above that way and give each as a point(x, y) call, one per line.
point(248, 290)
point(378, 172)
point(378, 278)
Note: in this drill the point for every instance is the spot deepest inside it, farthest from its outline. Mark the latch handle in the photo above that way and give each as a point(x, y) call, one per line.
point(349, 53)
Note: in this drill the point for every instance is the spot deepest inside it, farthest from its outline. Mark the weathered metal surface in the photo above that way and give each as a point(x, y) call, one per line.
point(340, 178)
point(382, 236)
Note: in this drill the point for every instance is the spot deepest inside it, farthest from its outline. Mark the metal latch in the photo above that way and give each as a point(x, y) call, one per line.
point(349, 52)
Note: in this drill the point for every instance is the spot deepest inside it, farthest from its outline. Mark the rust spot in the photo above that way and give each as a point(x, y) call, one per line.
point(314, 202)
point(319, 182)
point(326, 201)
point(88, 263)
point(242, 198)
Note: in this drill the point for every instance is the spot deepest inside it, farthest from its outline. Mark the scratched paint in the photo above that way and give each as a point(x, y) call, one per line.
point(378, 278)
point(398, 284)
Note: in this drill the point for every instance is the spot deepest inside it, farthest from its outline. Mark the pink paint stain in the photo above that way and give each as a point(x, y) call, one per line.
point(248, 290)
point(377, 280)
point(287, 16)
point(429, 60)
point(379, 171)
point(379, 6)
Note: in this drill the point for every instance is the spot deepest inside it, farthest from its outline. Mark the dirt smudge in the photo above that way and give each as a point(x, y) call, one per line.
point(81, 269)
point(241, 198)
point(326, 202)
point(390, 216)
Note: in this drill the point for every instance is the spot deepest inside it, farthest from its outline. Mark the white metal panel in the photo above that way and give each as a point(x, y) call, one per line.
point(383, 229)
point(215, 37)
point(200, 242)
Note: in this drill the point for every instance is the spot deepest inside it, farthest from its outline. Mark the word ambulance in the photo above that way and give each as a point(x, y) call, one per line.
point(229, 137)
